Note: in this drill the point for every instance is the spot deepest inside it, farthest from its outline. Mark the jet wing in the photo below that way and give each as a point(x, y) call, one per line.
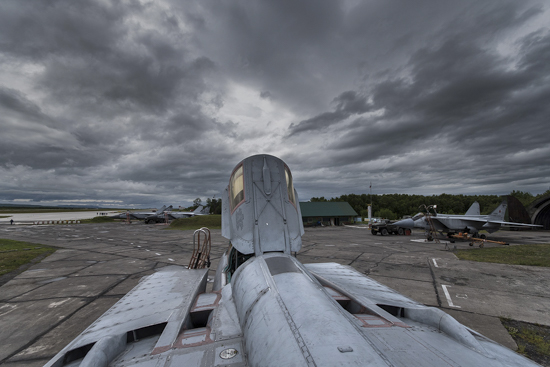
point(165, 311)
point(473, 221)
point(411, 343)
point(349, 281)
point(513, 224)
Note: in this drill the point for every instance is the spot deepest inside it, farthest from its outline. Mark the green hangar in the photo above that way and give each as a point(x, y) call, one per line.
point(327, 213)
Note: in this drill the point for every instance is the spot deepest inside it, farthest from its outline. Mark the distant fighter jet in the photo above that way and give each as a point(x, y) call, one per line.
point(267, 309)
point(471, 222)
point(141, 215)
point(161, 217)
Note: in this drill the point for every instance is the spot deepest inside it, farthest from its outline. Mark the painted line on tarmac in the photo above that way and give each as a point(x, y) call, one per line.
point(448, 296)
point(426, 241)
point(435, 263)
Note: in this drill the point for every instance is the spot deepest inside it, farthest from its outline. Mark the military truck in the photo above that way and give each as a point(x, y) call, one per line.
point(387, 227)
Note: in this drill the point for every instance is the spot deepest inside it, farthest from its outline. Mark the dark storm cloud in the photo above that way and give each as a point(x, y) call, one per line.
point(459, 92)
point(12, 101)
point(147, 102)
point(458, 108)
point(38, 30)
point(347, 104)
point(111, 94)
point(280, 46)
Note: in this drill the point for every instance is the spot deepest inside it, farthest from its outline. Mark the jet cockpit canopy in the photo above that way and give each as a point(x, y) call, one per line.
point(259, 204)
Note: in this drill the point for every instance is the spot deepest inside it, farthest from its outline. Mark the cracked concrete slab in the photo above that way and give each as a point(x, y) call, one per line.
point(521, 307)
point(88, 286)
point(53, 341)
point(403, 271)
point(23, 322)
point(17, 287)
point(118, 266)
point(40, 271)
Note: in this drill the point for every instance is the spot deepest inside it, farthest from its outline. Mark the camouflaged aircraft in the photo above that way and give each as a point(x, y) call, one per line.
point(268, 309)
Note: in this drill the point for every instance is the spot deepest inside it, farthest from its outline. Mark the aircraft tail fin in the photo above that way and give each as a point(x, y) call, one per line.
point(161, 210)
point(474, 209)
point(198, 210)
point(498, 213)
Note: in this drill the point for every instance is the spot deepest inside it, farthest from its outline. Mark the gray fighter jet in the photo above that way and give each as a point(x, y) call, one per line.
point(141, 215)
point(471, 222)
point(267, 309)
point(170, 215)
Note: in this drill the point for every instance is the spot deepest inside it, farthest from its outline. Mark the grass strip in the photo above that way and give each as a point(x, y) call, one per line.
point(533, 340)
point(212, 221)
point(13, 254)
point(533, 255)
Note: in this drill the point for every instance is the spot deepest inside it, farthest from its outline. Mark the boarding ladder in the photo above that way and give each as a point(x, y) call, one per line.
point(201, 250)
point(431, 233)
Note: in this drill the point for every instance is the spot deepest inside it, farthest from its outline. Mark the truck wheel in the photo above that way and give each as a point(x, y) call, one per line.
point(384, 232)
point(400, 232)
point(373, 232)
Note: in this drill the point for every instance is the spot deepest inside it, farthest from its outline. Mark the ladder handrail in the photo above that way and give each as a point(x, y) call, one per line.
point(200, 258)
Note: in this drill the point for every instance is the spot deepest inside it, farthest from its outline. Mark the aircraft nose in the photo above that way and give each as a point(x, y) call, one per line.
point(405, 223)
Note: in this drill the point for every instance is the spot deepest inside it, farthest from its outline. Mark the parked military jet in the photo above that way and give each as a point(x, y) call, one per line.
point(471, 222)
point(267, 309)
point(170, 215)
point(141, 215)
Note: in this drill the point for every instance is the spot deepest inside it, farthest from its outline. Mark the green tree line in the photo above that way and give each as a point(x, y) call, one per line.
point(395, 206)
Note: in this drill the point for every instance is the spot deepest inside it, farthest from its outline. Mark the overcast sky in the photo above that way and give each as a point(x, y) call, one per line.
point(144, 103)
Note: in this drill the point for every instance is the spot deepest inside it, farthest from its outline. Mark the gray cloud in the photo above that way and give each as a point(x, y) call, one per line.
point(347, 104)
point(148, 103)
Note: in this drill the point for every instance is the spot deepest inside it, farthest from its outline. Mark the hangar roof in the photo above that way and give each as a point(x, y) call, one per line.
point(327, 209)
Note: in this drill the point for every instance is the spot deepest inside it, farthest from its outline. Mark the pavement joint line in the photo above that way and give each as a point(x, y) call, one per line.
point(43, 285)
point(39, 336)
point(91, 299)
point(434, 282)
point(72, 275)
